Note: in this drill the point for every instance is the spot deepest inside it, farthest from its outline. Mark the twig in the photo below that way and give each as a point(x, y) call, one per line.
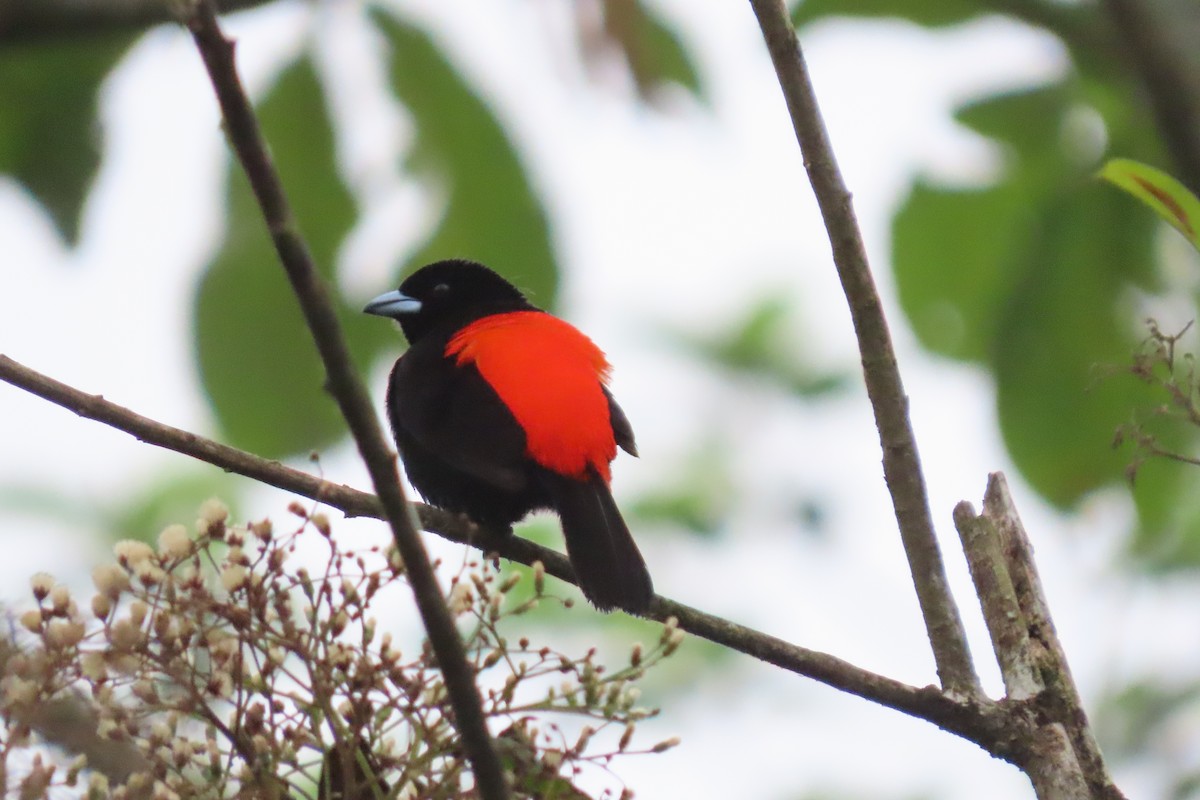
point(351, 396)
point(978, 720)
point(901, 463)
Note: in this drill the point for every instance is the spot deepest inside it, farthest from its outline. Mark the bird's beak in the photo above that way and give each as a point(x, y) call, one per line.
point(392, 304)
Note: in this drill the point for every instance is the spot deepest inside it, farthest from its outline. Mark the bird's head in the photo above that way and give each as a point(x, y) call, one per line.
point(445, 296)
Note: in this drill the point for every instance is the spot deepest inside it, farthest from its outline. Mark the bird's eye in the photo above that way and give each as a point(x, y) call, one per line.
point(441, 289)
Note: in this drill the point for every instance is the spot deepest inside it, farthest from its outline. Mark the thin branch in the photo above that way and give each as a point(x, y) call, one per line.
point(1061, 698)
point(901, 463)
point(1054, 770)
point(998, 600)
point(352, 398)
point(978, 720)
point(51, 20)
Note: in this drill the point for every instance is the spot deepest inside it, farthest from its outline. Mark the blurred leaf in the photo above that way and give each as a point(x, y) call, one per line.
point(48, 502)
point(654, 52)
point(927, 13)
point(1166, 196)
point(49, 135)
point(956, 311)
point(1128, 719)
point(141, 513)
point(256, 356)
point(759, 346)
point(1029, 122)
point(532, 775)
point(1028, 276)
point(982, 232)
point(1167, 496)
point(1062, 334)
point(698, 495)
point(170, 498)
point(492, 213)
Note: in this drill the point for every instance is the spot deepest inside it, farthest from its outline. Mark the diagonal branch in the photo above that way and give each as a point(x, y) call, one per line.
point(1060, 700)
point(976, 719)
point(901, 463)
point(54, 20)
point(351, 396)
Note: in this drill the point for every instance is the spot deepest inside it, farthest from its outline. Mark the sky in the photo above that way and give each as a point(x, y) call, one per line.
point(679, 218)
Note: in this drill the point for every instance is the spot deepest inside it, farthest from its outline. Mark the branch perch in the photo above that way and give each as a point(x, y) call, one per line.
point(978, 720)
point(1061, 698)
point(901, 463)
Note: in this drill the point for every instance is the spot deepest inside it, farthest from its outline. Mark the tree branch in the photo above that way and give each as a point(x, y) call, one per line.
point(351, 396)
point(977, 719)
point(32, 20)
point(1060, 700)
point(998, 600)
point(901, 463)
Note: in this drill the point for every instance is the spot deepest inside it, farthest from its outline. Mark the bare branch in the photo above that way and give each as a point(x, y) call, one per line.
point(1060, 701)
point(30, 20)
point(979, 720)
point(351, 396)
point(998, 599)
point(1054, 771)
point(901, 463)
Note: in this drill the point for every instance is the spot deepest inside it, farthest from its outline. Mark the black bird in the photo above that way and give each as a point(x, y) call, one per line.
point(500, 409)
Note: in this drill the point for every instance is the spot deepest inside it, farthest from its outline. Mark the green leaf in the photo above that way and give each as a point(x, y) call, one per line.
point(698, 493)
point(256, 356)
point(1029, 277)
point(1167, 497)
point(655, 53)
point(927, 13)
point(1062, 341)
point(1141, 711)
point(1166, 196)
point(492, 213)
point(1027, 120)
point(955, 311)
point(171, 497)
point(668, 59)
point(49, 136)
point(759, 346)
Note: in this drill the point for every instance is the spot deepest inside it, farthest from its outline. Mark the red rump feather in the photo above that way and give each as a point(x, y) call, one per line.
point(550, 376)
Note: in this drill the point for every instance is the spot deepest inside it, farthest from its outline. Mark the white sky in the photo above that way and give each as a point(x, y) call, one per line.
point(681, 219)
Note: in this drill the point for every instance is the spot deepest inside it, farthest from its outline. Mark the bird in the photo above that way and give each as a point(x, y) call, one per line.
point(500, 409)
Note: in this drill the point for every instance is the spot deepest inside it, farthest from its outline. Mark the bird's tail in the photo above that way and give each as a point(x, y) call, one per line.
point(607, 564)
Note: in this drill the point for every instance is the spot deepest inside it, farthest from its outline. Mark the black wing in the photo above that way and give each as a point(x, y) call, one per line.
point(452, 413)
point(622, 430)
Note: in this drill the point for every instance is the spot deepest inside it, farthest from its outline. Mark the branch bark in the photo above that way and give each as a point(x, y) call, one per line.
point(45, 20)
point(1060, 701)
point(901, 462)
point(979, 720)
point(351, 396)
point(1060, 754)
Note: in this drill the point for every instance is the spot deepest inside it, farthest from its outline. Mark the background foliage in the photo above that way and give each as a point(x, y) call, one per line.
point(1039, 274)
